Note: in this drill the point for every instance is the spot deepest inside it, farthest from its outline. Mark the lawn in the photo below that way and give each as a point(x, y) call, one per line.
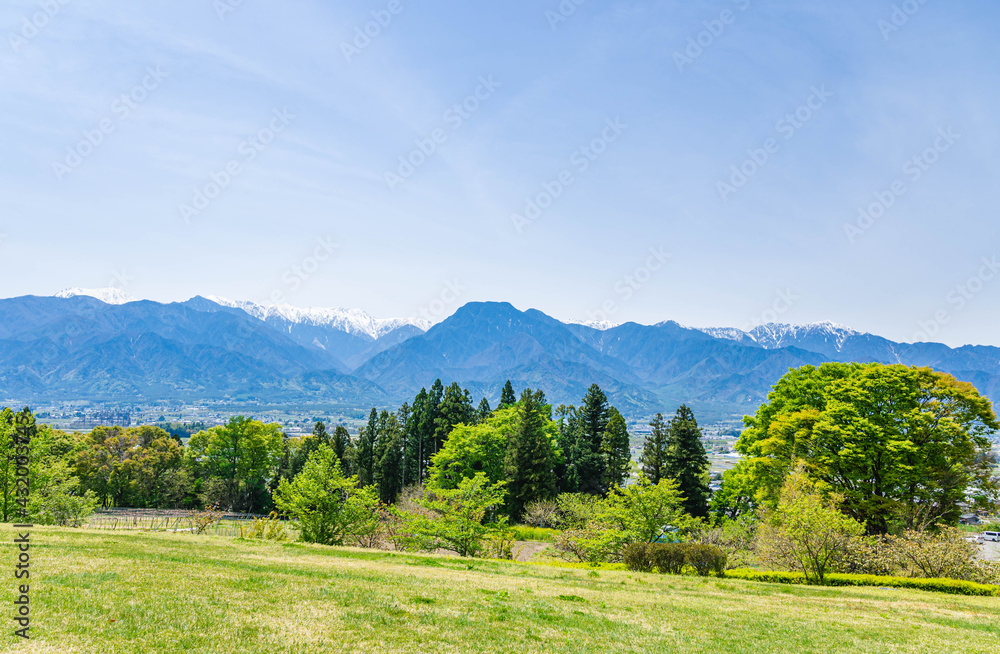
point(126, 593)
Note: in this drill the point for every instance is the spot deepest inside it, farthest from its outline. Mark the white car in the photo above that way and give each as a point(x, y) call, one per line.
point(991, 535)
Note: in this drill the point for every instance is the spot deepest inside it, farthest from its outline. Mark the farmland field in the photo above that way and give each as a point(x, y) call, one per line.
point(123, 593)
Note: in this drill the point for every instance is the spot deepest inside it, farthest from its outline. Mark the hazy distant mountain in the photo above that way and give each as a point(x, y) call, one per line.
point(109, 295)
point(81, 347)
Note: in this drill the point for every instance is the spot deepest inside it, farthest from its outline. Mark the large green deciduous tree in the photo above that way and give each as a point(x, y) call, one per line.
point(902, 445)
point(243, 455)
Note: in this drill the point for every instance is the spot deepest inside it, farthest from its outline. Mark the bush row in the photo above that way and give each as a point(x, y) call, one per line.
point(952, 586)
point(670, 558)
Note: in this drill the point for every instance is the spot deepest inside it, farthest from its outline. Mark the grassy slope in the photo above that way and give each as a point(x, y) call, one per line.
point(131, 593)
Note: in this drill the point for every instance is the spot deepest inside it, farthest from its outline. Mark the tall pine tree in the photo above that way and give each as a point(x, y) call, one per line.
point(340, 442)
point(616, 449)
point(530, 457)
point(654, 451)
point(388, 467)
point(687, 463)
point(507, 396)
point(483, 411)
point(586, 454)
point(455, 408)
point(366, 450)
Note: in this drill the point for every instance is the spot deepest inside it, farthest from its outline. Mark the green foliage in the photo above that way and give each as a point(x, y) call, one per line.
point(616, 449)
point(599, 529)
point(329, 507)
point(654, 451)
point(585, 449)
point(952, 586)
point(531, 455)
point(670, 558)
point(59, 500)
point(523, 532)
point(269, 528)
point(806, 531)
point(902, 445)
point(507, 396)
point(686, 461)
point(242, 455)
point(458, 519)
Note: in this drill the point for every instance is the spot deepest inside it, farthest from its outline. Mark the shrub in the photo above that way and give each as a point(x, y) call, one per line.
point(541, 513)
point(705, 559)
point(453, 519)
point(202, 521)
point(944, 553)
point(669, 558)
point(269, 528)
point(522, 532)
point(637, 557)
point(952, 586)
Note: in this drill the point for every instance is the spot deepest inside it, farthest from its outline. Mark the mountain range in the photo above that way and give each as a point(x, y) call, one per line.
point(102, 345)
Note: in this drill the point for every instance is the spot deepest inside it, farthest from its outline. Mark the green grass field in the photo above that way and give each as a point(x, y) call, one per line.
point(127, 593)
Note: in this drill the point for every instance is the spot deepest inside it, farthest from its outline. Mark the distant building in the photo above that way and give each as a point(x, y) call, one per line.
point(969, 519)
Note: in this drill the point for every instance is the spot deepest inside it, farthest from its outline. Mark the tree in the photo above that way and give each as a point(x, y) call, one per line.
point(507, 396)
point(531, 457)
point(473, 449)
point(898, 443)
point(643, 510)
point(654, 451)
point(242, 456)
point(455, 409)
point(687, 462)
point(586, 456)
point(616, 449)
point(340, 442)
point(366, 450)
point(329, 507)
point(806, 531)
point(319, 431)
point(483, 411)
point(388, 474)
point(458, 519)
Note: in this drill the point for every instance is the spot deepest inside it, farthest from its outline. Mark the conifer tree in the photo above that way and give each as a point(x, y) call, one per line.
point(455, 408)
point(687, 462)
point(616, 449)
point(654, 451)
point(483, 411)
point(366, 450)
point(507, 396)
point(388, 457)
point(592, 422)
point(340, 442)
point(530, 457)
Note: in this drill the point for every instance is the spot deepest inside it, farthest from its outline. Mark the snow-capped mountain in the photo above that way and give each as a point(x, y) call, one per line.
point(351, 321)
point(602, 325)
point(109, 295)
point(774, 335)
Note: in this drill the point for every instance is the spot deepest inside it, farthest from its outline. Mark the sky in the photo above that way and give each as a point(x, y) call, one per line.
point(719, 163)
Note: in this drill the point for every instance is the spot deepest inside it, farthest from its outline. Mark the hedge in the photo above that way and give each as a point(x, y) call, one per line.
point(670, 558)
point(952, 586)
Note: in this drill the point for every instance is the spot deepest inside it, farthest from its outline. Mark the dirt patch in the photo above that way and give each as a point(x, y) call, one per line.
point(525, 550)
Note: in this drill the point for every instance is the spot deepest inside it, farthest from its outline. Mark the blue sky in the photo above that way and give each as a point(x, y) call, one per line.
point(624, 120)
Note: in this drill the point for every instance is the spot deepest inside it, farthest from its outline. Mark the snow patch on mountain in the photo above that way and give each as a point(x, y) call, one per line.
point(352, 321)
point(109, 295)
point(601, 325)
point(774, 335)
